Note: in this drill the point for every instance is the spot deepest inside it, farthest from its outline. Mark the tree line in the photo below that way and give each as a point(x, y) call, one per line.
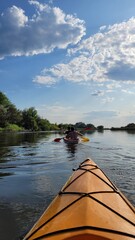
point(12, 118)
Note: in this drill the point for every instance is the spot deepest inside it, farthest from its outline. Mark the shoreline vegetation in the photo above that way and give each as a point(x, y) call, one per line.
point(28, 120)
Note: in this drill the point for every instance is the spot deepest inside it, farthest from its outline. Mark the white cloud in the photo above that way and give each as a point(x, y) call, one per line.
point(108, 100)
point(99, 115)
point(98, 93)
point(102, 28)
point(45, 80)
point(128, 91)
point(61, 113)
point(103, 57)
point(49, 28)
point(113, 85)
point(68, 114)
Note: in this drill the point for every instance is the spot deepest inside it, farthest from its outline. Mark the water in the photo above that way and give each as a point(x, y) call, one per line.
point(33, 168)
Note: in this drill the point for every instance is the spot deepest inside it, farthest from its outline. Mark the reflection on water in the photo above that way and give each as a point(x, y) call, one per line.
point(4, 174)
point(33, 168)
point(71, 148)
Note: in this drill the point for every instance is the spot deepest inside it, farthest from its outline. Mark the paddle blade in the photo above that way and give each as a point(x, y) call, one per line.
point(57, 139)
point(85, 139)
point(87, 128)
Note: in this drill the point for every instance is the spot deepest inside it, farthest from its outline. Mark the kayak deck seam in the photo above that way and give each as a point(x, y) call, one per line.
point(83, 193)
point(91, 171)
point(101, 203)
point(81, 228)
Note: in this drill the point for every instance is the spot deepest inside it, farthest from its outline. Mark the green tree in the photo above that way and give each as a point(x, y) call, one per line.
point(4, 100)
point(130, 126)
point(29, 119)
point(4, 105)
point(63, 126)
point(43, 124)
point(8, 112)
point(54, 126)
point(80, 125)
point(14, 116)
point(100, 128)
point(91, 126)
point(3, 116)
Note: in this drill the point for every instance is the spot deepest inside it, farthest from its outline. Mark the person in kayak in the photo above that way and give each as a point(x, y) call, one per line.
point(73, 134)
point(67, 131)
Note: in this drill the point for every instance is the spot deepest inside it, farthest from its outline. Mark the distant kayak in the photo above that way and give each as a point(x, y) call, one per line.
point(89, 206)
point(71, 141)
point(67, 140)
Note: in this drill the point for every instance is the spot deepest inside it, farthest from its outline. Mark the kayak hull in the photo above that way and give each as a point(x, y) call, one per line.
point(89, 206)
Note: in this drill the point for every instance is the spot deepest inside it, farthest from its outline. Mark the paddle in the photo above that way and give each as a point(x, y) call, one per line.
point(57, 139)
point(87, 128)
point(84, 139)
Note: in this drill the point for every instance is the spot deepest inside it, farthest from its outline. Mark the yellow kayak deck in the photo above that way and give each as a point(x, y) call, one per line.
point(89, 206)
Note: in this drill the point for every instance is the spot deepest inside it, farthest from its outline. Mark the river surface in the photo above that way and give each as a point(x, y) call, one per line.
point(33, 168)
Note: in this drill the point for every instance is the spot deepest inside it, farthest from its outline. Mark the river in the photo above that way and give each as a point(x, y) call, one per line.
point(33, 168)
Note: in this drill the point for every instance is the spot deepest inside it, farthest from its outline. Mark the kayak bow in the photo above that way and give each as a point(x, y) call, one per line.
point(89, 206)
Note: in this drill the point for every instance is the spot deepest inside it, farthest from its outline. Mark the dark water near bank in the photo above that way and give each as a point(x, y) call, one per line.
point(33, 168)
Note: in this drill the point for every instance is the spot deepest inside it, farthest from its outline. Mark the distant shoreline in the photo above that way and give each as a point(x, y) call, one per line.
point(61, 132)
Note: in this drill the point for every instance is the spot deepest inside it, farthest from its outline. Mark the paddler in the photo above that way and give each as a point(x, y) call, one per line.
point(73, 134)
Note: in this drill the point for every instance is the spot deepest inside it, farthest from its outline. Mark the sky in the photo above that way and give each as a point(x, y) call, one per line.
point(73, 60)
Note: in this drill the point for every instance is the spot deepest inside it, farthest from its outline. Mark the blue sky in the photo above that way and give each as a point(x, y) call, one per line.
point(73, 60)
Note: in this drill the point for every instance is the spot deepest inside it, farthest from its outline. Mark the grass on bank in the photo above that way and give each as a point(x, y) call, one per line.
point(11, 128)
